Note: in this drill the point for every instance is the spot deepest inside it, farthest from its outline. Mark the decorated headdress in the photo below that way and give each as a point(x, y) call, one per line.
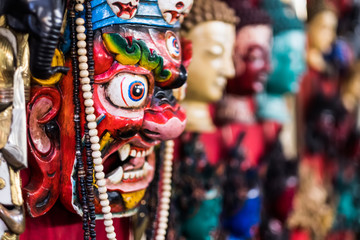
point(283, 16)
point(161, 13)
point(209, 10)
point(248, 14)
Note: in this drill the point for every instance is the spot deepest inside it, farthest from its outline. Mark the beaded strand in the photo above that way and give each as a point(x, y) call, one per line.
point(89, 160)
point(76, 101)
point(165, 191)
point(91, 123)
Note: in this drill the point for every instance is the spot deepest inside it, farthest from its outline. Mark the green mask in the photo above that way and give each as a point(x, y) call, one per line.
point(288, 59)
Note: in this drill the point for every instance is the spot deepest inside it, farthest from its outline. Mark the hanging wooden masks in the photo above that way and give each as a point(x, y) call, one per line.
point(109, 111)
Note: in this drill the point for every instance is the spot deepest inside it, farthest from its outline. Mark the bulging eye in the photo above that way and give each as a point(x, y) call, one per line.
point(127, 90)
point(172, 44)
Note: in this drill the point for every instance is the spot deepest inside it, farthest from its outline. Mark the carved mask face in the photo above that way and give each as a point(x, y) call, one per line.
point(174, 10)
point(135, 71)
point(288, 58)
point(252, 59)
point(125, 9)
point(322, 31)
point(212, 62)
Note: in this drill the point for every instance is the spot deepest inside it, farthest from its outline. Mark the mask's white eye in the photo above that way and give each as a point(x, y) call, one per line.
point(172, 44)
point(127, 90)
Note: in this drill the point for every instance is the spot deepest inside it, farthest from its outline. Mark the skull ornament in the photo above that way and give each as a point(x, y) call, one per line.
point(125, 9)
point(174, 10)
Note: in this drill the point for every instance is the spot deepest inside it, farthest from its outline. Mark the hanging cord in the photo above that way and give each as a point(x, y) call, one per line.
point(86, 68)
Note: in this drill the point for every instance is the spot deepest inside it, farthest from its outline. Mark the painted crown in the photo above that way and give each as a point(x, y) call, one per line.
point(161, 13)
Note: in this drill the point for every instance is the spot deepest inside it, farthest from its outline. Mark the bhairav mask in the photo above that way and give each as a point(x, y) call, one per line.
point(113, 106)
point(252, 49)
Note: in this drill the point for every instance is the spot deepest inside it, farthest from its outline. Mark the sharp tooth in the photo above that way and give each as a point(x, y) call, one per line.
point(145, 168)
point(116, 175)
point(141, 173)
point(133, 153)
point(149, 151)
point(126, 175)
point(137, 174)
point(143, 153)
point(124, 152)
point(138, 154)
point(132, 175)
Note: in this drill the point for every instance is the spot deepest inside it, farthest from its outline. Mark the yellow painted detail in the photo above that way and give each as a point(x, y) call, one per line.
point(58, 60)
point(131, 200)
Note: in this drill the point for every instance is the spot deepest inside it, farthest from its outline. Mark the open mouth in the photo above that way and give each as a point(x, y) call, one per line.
point(126, 11)
point(130, 168)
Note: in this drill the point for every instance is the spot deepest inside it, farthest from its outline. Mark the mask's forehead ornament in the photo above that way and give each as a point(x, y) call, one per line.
point(162, 13)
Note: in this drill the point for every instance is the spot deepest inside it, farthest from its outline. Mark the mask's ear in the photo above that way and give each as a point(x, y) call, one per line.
point(186, 46)
point(42, 190)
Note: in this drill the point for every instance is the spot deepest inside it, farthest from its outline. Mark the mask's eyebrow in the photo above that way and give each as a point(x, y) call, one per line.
point(130, 51)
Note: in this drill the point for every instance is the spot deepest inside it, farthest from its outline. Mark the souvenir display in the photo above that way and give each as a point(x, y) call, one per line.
point(169, 119)
point(197, 190)
point(236, 112)
point(240, 132)
point(324, 121)
point(275, 112)
point(92, 131)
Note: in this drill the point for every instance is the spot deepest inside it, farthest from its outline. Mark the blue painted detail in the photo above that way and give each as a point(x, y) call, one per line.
point(242, 223)
point(130, 88)
point(148, 14)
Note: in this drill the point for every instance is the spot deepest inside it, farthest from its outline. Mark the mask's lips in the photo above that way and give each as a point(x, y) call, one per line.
point(164, 122)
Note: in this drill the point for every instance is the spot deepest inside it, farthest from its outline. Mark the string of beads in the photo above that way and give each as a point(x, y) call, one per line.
point(77, 109)
point(165, 191)
point(85, 74)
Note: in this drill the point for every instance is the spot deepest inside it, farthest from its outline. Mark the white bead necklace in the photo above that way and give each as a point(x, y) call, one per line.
point(165, 191)
point(92, 125)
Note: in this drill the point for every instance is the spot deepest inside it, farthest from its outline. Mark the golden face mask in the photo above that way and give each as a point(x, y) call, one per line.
point(7, 70)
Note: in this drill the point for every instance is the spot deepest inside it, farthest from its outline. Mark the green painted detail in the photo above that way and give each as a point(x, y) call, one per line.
point(136, 52)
